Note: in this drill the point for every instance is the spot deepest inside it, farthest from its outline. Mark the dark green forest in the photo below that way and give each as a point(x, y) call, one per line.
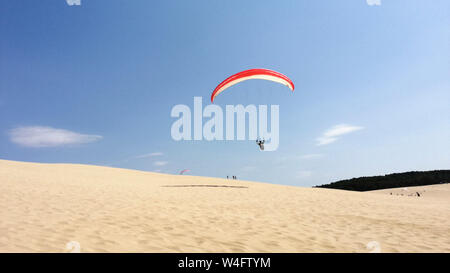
point(395, 180)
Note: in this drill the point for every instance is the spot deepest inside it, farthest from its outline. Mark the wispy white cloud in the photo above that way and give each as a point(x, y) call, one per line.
point(41, 136)
point(332, 134)
point(149, 155)
point(373, 2)
point(160, 163)
point(73, 2)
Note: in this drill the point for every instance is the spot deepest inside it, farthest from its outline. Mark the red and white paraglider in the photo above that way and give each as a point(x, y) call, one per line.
point(258, 73)
point(183, 171)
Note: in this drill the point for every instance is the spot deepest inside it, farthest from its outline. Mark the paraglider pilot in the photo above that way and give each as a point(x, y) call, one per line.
point(260, 144)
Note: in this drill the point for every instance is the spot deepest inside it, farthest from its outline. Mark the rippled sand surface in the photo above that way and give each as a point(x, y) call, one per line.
point(67, 207)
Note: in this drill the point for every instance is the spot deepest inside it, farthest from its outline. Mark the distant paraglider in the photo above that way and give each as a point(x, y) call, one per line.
point(183, 171)
point(258, 73)
point(260, 144)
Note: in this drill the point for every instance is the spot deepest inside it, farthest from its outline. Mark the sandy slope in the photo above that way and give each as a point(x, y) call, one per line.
point(433, 193)
point(45, 206)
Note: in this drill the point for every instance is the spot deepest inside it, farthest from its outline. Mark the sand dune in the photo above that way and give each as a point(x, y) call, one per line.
point(432, 193)
point(43, 207)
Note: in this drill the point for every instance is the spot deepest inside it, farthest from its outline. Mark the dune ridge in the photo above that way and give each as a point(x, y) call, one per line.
point(44, 207)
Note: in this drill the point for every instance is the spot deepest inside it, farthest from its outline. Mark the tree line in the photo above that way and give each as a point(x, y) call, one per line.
point(395, 180)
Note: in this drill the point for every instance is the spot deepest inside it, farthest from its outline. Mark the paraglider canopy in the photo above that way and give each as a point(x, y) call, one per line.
point(257, 73)
point(183, 171)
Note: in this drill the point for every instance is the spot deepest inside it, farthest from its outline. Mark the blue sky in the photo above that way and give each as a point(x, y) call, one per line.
point(106, 74)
